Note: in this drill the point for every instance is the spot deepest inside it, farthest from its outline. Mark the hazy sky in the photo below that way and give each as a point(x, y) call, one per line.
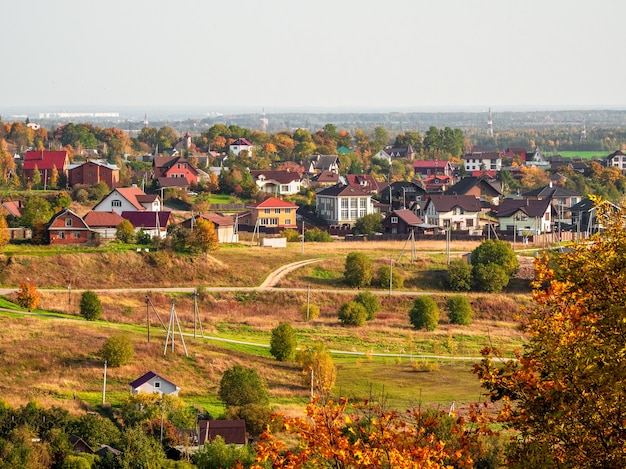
point(389, 54)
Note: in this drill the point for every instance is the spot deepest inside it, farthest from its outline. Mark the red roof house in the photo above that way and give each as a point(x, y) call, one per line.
point(44, 161)
point(66, 227)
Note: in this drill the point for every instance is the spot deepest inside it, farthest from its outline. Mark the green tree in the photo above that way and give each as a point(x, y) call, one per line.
point(370, 303)
point(140, 451)
point(352, 313)
point(368, 224)
point(36, 178)
point(217, 454)
point(490, 277)
point(125, 232)
point(564, 395)
point(494, 263)
point(90, 305)
point(240, 386)
point(95, 430)
point(459, 275)
point(64, 200)
point(317, 235)
point(425, 313)
point(36, 210)
point(117, 350)
point(459, 310)
point(384, 271)
point(283, 342)
point(359, 270)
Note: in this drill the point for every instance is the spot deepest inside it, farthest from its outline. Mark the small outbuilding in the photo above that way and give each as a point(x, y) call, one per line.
point(152, 382)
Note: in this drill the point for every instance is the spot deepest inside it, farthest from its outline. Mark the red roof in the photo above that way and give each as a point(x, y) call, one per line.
point(272, 202)
point(103, 219)
point(241, 141)
point(430, 164)
point(45, 159)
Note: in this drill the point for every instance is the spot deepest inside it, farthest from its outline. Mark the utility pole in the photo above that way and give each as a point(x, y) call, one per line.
point(104, 383)
point(148, 315)
point(308, 302)
point(390, 274)
point(303, 236)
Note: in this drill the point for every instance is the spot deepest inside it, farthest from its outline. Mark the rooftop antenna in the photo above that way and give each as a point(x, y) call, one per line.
point(171, 331)
point(489, 124)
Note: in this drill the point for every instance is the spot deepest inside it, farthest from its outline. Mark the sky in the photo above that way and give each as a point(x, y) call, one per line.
point(323, 55)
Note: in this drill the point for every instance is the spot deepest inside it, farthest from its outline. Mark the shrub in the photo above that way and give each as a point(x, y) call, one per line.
point(143, 237)
point(370, 303)
point(293, 236)
point(459, 275)
point(216, 453)
point(117, 350)
point(90, 306)
point(397, 280)
point(352, 314)
point(425, 313)
point(315, 234)
point(28, 296)
point(490, 277)
point(460, 310)
point(240, 386)
point(310, 312)
point(494, 251)
point(125, 232)
point(283, 342)
point(358, 270)
point(368, 224)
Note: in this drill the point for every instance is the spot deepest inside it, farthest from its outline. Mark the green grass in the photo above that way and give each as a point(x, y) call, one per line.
point(27, 249)
point(584, 154)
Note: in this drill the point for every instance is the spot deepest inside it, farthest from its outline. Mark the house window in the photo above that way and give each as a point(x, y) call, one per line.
point(267, 210)
point(77, 234)
point(287, 221)
point(394, 220)
point(287, 211)
point(68, 222)
point(469, 222)
point(61, 234)
point(284, 188)
point(157, 384)
point(116, 203)
point(276, 210)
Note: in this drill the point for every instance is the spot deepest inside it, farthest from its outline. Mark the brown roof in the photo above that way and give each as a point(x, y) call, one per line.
point(103, 219)
point(408, 217)
point(232, 431)
point(445, 203)
point(14, 207)
point(340, 190)
point(283, 177)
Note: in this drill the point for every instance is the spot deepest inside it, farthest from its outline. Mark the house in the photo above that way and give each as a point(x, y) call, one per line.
point(224, 226)
point(364, 181)
point(617, 159)
point(478, 161)
point(536, 158)
point(406, 152)
point(343, 205)
point(403, 221)
point(432, 167)
point(126, 199)
point(560, 198)
point(93, 172)
point(460, 212)
point(272, 212)
point(153, 223)
point(152, 382)
point(44, 161)
point(233, 432)
point(525, 217)
point(241, 144)
point(79, 445)
point(14, 207)
point(437, 183)
point(171, 170)
point(67, 228)
point(479, 187)
point(277, 182)
point(383, 155)
point(585, 217)
point(325, 179)
point(104, 223)
point(320, 163)
point(403, 194)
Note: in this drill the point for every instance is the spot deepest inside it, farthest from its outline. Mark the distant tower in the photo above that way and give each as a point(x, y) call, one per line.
point(145, 120)
point(264, 122)
point(489, 124)
point(583, 132)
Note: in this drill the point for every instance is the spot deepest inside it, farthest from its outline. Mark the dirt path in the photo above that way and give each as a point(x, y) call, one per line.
point(276, 276)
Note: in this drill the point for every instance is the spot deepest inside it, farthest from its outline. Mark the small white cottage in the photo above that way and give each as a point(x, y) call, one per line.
point(151, 383)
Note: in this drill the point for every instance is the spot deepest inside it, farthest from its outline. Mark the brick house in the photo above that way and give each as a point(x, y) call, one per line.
point(67, 228)
point(91, 173)
point(45, 161)
point(174, 167)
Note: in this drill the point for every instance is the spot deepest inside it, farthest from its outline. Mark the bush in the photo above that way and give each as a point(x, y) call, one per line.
point(310, 312)
point(370, 303)
point(90, 306)
point(358, 270)
point(125, 232)
point(28, 296)
point(143, 237)
point(257, 417)
point(425, 313)
point(240, 386)
point(459, 275)
point(117, 350)
point(490, 277)
point(368, 224)
point(460, 310)
point(283, 342)
point(397, 280)
point(216, 454)
point(317, 235)
point(497, 252)
point(293, 236)
point(352, 314)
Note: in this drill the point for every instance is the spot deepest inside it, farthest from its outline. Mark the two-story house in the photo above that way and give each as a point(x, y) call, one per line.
point(617, 159)
point(525, 217)
point(432, 167)
point(239, 145)
point(170, 170)
point(125, 199)
point(484, 160)
point(277, 182)
point(93, 172)
point(270, 213)
point(67, 228)
point(459, 212)
point(45, 161)
point(343, 205)
point(322, 163)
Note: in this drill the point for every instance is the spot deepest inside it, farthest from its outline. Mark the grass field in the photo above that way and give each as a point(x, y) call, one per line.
point(584, 154)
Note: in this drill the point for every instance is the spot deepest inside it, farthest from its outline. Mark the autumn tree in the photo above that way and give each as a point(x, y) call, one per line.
point(125, 232)
point(564, 395)
point(204, 237)
point(54, 177)
point(5, 236)
point(117, 350)
point(28, 296)
point(36, 180)
point(318, 370)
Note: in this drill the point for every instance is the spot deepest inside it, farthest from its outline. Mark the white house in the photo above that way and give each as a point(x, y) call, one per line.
point(240, 145)
point(487, 160)
point(129, 199)
point(151, 383)
point(277, 182)
point(459, 212)
point(526, 216)
point(343, 205)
